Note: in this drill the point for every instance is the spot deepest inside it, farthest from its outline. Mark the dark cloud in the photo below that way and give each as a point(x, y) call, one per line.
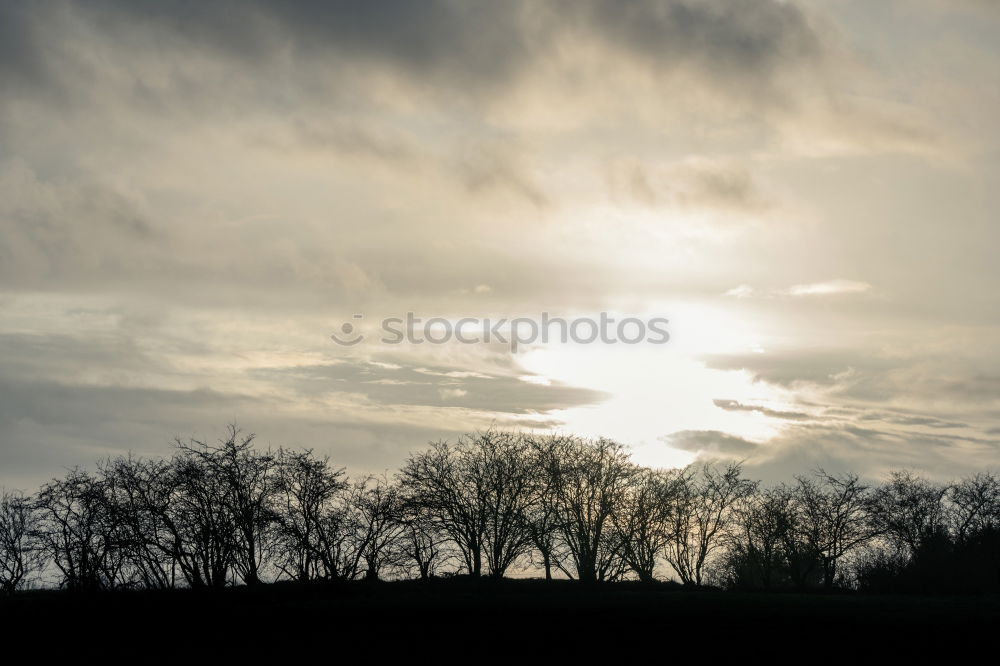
point(872, 452)
point(54, 229)
point(439, 386)
point(910, 420)
point(712, 442)
point(736, 406)
point(51, 355)
point(720, 186)
point(488, 167)
point(463, 42)
point(460, 45)
point(354, 139)
point(742, 43)
point(787, 367)
point(48, 426)
point(832, 414)
point(19, 64)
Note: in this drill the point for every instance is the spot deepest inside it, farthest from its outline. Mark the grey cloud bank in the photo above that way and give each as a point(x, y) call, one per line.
point(193, 196)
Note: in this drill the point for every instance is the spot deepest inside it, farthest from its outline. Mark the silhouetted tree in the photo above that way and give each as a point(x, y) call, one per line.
point(590, 480)
point(477, 492)
point(247, 484)
point(505, 464)
point(77, 532)
point(908, 511)
point(834, 518)
point(420, 547)
point(642, 518)
point(542, 513)
point(974, 505)
point(216, 514)
point(701, 512)
point(138, 495)
point(21, 555)
point(200, 515)
point(308, 497)
point(377, 511)
point(761, 542)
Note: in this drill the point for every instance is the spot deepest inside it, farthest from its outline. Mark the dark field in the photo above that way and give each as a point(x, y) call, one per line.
point(466, 621)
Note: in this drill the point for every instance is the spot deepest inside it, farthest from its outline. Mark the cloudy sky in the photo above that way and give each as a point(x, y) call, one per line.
point(195, 196)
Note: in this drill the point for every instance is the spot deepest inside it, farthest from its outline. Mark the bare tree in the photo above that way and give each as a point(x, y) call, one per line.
point(477, 492)
point(761, 541)
point(308, 493)
point(200, 517)
point(907, 511)
point(590, 479)
point(247, 481)
point(701, 512)
point(642, 518)
point(334, 529)
point(503, 461)
point(420, 547)
point(376, 508)
point(834, 518)
point(542, 513)
point(137, 498)
point(21, 556)
point(77, 532)
point(217, 514)
point(974, 505)
point(437, 485)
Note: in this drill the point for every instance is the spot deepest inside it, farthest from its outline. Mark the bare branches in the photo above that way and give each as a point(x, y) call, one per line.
point(642, 520)
point(701, 515)
point(308, 515)
point(79, 532)
point(21, 555)
point(590, 479)
point(246, 479)
point(493, 502)
point(835, 518)
point(477, 492)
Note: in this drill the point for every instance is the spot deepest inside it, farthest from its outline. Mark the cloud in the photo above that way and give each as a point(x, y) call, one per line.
point(737, 406)
point(192, 195)
point(47, 427)
point(814, 289)
point(460, 46)
point(711, 442)
point(742, 291)
point(57, 229)
point(693, 184)
point(871, 452)
point(487, 168)
point(449, 394)
point(828, 288)
point(436, 386)
point(744, 45)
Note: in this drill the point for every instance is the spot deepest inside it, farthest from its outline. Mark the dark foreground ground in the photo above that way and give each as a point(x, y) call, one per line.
point(467, 621)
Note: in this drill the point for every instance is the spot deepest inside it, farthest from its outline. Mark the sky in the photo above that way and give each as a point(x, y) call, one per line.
point(195, 196)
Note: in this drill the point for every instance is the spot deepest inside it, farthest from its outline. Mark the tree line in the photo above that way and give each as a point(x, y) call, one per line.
point(492, 503)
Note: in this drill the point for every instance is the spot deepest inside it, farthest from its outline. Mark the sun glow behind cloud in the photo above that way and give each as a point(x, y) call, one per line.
point(810, 202)
point(659, 389)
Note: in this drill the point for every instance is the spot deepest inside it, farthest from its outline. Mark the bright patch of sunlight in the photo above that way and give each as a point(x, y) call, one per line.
point(656, 390)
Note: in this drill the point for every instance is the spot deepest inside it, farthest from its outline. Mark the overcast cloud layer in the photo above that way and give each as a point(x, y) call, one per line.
point(194, 196)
